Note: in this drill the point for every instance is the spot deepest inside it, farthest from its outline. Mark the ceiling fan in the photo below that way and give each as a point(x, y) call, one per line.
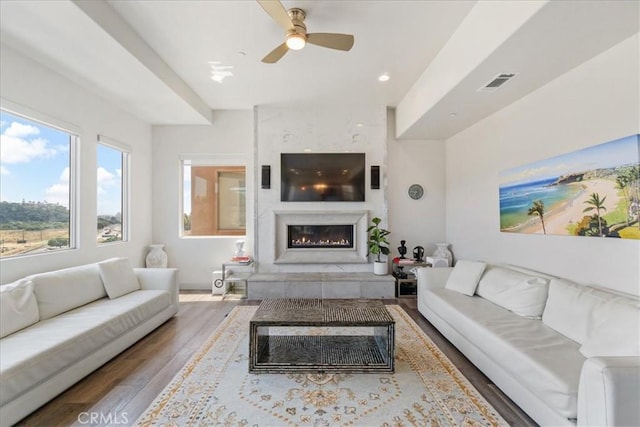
point(296, 32)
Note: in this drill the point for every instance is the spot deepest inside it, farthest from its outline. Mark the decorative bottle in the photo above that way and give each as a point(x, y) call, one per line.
point(156, 258)
point(442, 251)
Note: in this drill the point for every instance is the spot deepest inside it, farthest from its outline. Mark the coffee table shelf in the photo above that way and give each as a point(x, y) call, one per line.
point(311, 335)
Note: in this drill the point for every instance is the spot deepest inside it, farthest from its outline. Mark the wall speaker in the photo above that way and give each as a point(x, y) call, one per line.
point(375, 177)
point(266, 176)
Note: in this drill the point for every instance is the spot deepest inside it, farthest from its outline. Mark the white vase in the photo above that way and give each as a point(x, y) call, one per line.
point(156, 258)
point(442, 251)
point(239, 248)
point(380, 268)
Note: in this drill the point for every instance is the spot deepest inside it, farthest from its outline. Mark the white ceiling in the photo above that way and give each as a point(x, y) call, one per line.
point(152, 57)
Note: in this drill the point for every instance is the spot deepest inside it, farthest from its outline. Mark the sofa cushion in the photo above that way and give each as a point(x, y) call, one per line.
point(18, 307)
point(43, 350)
point(118, 277)
point(465, 276)
point(616, 331)
point(519, 292)
point(571, 308)
point(543, 361)
point(63, 290)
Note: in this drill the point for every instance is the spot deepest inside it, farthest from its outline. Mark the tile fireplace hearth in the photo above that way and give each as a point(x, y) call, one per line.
point(320, 285)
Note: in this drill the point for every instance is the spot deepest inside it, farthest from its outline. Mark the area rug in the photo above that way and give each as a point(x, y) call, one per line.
point(215, 388)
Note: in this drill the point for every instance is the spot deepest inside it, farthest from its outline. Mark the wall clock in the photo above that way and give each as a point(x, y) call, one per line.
point(416, 191)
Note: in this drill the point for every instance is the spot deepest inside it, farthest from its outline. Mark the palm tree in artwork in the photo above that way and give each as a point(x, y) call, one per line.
point(622, 182)
point(598, 204)
point(537, 208)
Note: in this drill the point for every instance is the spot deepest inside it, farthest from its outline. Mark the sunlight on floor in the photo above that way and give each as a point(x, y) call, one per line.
point(205, 296)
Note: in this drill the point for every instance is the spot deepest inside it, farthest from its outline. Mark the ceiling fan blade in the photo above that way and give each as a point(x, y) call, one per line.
point(331, 40)
point(275, 55)
point(276, 10)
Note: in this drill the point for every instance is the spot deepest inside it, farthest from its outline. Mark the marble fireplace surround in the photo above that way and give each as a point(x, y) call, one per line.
point(355, 255)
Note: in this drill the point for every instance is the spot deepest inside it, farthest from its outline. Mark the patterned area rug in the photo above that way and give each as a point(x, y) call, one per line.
point(215, 388)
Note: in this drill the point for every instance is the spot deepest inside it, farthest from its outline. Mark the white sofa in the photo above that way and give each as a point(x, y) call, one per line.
point(563, 352)
point(59, 326)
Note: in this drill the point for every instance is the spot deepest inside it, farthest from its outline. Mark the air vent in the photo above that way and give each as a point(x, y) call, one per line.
point(497, 82)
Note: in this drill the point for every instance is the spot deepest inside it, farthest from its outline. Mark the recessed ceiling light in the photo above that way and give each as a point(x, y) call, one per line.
point(452, 115)
point(241, 53)
point(384, 77)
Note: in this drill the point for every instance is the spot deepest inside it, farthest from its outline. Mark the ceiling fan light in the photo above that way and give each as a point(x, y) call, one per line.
point(296, 41)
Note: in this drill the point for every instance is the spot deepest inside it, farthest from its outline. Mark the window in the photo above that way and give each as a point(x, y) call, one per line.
point(214, 200)
point(37, 168)
point(112, 171)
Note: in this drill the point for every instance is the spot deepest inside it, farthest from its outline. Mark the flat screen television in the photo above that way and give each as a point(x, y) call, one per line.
point(322, 177)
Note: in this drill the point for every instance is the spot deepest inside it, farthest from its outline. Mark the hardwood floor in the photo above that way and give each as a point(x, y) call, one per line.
point(118, 392)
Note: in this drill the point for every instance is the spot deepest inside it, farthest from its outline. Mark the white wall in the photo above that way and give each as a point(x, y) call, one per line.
point(419, 222)
point(592, 104)
point(230, 135)
point(321, 129)
point(40, 89)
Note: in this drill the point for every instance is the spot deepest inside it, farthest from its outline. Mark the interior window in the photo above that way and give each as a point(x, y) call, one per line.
point(214, 200)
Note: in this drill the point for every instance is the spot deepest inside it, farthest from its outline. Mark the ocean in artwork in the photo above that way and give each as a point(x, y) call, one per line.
point(592, 192)
point(516, 200)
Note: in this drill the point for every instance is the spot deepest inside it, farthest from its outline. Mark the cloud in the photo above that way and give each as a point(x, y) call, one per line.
point(104, 175)
point(4, 171)
point(20, 144)
point(64, 176)
point(59, 192)
point(107, 180)
point(533, 173)
point(109, 184)
point(18, 130)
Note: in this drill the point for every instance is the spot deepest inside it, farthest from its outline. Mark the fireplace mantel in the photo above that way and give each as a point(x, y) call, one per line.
point(355, 255)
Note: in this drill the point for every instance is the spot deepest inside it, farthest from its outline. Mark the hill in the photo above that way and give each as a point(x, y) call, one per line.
point(19, 215)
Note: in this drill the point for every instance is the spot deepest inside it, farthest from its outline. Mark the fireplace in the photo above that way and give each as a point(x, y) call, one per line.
point(320, 237)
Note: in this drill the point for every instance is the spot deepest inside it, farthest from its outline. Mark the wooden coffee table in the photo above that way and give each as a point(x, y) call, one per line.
point(321, 335)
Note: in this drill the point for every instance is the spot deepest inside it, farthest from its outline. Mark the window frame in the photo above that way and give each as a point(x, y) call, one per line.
point(125, 201)
point(74, 133)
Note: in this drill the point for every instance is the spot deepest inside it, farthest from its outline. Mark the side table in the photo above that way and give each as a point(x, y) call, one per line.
point(406, 282)
point(232, 277)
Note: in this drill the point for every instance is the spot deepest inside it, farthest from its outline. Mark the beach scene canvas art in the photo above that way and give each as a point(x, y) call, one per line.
point(592, 192)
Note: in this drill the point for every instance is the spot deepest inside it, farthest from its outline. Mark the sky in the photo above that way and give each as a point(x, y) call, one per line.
point(619, 152)
point(34, 165)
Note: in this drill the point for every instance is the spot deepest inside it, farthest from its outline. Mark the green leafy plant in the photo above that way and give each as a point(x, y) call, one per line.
point(58, 242)
point(377, 242)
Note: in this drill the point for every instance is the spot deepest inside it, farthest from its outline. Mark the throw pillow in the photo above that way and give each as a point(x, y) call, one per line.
point(465, 276)
point(521, 293)
point(63, 290)
point(118, 277)
point(571, 308)
point(618, 334)
point(18, 307)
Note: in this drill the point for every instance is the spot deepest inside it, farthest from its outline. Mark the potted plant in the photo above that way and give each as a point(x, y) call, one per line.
point(378, 245)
